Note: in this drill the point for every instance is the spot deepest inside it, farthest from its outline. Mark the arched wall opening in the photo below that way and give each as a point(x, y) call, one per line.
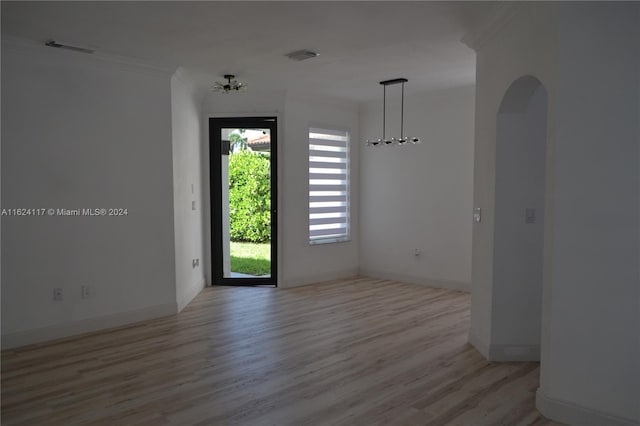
point(521, 140)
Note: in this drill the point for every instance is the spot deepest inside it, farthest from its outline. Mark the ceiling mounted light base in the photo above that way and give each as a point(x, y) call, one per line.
point(231, 85)
point(402, 140)
point(394, 81)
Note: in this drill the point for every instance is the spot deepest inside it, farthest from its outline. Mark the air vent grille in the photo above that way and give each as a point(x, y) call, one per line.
point(301, 55)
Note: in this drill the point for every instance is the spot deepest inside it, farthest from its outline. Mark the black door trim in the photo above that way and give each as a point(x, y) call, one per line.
point(215, 175)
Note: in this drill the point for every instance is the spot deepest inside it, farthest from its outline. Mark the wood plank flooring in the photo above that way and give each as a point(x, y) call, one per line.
point(349, 352)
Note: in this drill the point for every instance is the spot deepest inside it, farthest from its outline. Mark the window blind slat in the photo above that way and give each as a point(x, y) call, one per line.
point(335, 232)
point(323, 165)
point(314, 216)
point(328, 220)
point(313, 131)
point(328, 160)
point(324, 209)
point(329, 204)
point(327, 189)
point(342, 198)
point(327, 140)
point(316, 176)
point(327, 154)
point(327, 146)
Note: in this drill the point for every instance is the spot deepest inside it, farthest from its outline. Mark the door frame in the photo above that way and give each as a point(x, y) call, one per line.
point(215, 180)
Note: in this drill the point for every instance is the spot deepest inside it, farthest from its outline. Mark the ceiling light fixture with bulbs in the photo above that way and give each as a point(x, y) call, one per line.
point(231, 85)
point(402, 140)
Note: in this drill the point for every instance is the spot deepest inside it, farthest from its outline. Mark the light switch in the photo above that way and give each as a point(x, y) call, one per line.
point(530, 215)
point(193, 205)
point(477, 214)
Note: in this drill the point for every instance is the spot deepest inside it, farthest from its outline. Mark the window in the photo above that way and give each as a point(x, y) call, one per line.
point(328, 186)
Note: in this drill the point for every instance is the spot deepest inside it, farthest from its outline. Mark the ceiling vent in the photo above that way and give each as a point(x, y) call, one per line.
point(301, 55)
point(53, 43)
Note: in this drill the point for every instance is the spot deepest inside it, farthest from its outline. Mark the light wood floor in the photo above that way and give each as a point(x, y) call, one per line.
point(350, 352)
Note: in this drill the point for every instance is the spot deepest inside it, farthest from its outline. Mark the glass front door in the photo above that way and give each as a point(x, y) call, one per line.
point(243, 200)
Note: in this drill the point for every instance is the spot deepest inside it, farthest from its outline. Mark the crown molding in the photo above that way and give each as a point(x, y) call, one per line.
point(502, 14)
point(196, 83)
point(133, 64)
point(184, 77)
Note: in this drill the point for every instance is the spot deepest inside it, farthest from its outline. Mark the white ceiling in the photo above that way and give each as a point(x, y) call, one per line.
point(360, 43)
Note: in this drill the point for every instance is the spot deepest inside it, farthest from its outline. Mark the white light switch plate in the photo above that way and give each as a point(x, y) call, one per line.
point(477, 214)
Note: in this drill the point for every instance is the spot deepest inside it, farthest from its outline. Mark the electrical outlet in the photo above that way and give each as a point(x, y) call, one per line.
point(194, 263)
point(417, 252)
point(57, 294)
point(85, 291)
point(530, 215)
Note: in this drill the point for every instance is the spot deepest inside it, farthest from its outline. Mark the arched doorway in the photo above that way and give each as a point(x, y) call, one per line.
point(521, 141)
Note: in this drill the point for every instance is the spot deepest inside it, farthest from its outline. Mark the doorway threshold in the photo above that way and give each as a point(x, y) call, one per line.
point(241, 275)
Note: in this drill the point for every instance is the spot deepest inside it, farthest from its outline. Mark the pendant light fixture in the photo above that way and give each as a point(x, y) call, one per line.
point(231, 85)
point(402, 140)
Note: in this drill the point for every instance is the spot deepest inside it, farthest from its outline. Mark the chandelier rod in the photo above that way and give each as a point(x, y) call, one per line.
point(384, 112)
point(402, 114)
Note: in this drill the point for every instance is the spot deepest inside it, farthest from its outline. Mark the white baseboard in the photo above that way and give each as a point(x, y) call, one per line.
point(72, 328)
point(449, 285)
point(505, 353)
point(193, 291)
point(573, 414)
point(514, 353)
point(318, 278)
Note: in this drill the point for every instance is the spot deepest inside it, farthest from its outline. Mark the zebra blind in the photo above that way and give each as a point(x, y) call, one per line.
point(328, 186)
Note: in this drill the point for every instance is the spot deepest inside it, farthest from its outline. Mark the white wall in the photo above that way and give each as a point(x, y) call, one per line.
point(527, 48)
point(187, 186)
point(83, 132)
point(518, 250)
point(595, 334)
point(584, 54)
point(303, 263)
point(419, 196)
